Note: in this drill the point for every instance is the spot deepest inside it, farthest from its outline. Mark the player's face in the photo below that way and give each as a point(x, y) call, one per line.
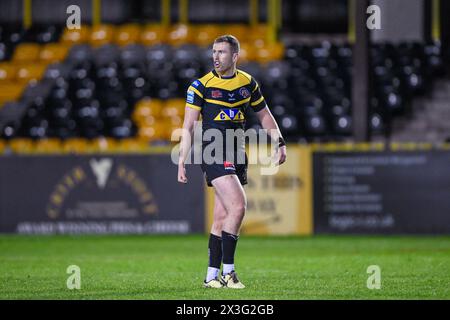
point(223, 57)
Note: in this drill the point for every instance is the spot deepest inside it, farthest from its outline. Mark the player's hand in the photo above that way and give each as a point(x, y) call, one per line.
point(182, 174)
point(281, 155)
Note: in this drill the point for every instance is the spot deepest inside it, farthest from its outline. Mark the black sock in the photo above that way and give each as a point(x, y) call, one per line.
point(229, 242)
point(215, 251)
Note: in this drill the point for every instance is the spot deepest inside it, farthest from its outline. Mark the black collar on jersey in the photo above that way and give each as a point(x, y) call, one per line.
point(223, 77)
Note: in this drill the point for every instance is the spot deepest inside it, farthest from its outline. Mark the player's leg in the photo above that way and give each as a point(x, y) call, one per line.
point(215, 245)
point(231, 194)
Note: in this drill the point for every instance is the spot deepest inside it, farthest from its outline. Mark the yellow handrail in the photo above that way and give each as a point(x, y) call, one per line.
point(27, 13)
point(254, 12)
point(184, 11)
point(96, 12)
point(436, 20)
point(165, 12)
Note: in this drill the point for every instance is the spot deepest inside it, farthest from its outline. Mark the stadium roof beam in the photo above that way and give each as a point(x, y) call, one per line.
point(361, 73)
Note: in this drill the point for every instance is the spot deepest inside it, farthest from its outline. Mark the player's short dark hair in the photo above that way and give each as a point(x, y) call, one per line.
point(231, 40)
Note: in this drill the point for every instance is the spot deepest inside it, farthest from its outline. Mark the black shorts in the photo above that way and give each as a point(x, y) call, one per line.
point(215, 170)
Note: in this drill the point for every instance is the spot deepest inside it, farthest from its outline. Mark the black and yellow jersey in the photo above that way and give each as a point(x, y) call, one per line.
point(223, 101)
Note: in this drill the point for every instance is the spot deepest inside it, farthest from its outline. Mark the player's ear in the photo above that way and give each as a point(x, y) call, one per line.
point(235, 57)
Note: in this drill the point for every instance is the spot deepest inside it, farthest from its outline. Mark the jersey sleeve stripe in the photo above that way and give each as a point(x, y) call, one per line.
point(196, 91)
point(193, 106)
point(257, 102)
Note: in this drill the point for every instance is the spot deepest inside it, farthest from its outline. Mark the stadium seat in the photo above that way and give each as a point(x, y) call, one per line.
point(8, 72)
point(26, 53)
point(4, 51)
point(180, 34)
point(76, 36)
point(257, 35)
point(153, 34)
point(148, 107)
point(101, 35)
point(53, 52)
point(2, 146)
point(174, 107)
point(75, 145)
point(10, 91)
point(30, 73)
point(127, 34)
point(158, 131)
point(21, 145)
point(132, 145)
point(103, 144)
point(42, 33)
point(50, 145)
point(205, 34)
point(247, 53)
point(240, 31)
point(132, 55)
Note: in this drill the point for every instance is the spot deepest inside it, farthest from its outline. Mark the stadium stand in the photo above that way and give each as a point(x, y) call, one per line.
point(129, 82)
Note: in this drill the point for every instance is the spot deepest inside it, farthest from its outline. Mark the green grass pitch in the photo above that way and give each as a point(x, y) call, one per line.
point(173, 267)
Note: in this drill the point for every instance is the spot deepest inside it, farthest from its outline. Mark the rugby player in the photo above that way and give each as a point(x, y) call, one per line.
point(222, 97)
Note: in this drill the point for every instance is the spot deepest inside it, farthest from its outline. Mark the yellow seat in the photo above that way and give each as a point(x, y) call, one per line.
point(75, 145)
point(174, 107)
point(148, 107)
point(258, 32)
point(172, 124)
point(103, 145)
point(2, 146)
point(240, 31)
point(180, 34)
point(158, 131)
point(128, 34)
point(146, 121)
point(10, 91)
point(153, 34)
point(270, 52)
point(247, 53)
point(132, 145)
point(21, 145)
point(101, 35)
point(206, 34)
point(51, 145)
point(30, 73)
point(26, 52)
point(8, 72)
point(76, 36)
point(53, 52)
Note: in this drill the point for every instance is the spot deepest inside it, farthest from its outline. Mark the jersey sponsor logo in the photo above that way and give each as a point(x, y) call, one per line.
point(216, 94)
point(244, 92)
point(232, 114)
point(190, 96)
point(228, 165)
point(231, 97)
point(195, 83)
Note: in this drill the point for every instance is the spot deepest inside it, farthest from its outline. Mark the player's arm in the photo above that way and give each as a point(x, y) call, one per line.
point(194, 103)
point(258, 104)
point(190, 117)
point(268, 123)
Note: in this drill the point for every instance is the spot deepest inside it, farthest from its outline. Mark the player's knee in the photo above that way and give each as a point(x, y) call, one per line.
point(239, 210)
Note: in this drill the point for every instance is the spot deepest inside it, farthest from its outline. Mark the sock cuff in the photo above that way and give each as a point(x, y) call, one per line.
point(213, 236)
point(229, 235)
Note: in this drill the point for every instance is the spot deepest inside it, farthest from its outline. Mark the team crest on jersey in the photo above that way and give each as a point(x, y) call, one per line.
point(244, 92)
point(231, 114)
point(216, 94)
